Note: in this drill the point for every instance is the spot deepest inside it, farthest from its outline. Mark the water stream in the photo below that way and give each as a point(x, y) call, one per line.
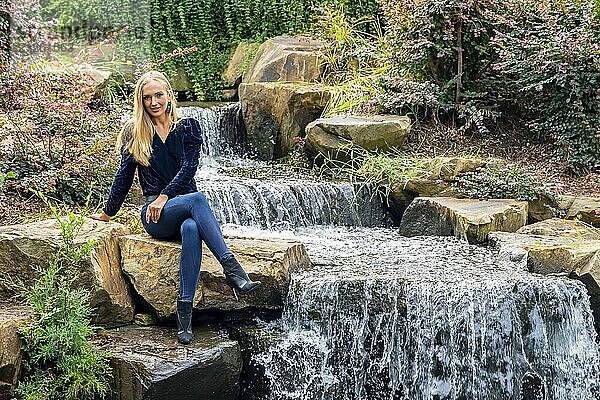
point(381, 316)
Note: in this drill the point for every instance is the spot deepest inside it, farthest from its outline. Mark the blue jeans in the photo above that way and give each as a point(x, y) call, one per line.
point(189, 218)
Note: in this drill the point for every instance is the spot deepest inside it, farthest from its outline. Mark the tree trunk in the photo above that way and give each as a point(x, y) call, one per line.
point(459, 72)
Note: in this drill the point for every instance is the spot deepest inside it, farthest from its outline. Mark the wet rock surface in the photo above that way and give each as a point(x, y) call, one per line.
point(149, 364)
point(153, 268)
point(253, 340)
point(557, 247)
point(25, 247)
point(469, 219)
point(550, 254)
point(11, 318)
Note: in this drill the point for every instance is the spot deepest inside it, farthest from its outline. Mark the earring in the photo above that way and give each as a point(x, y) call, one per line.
point(168, 109)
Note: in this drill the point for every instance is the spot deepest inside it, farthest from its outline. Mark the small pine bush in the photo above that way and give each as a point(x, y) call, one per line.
point(60, 361)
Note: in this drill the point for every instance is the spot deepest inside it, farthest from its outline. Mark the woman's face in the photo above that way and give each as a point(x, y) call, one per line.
point(155, 99)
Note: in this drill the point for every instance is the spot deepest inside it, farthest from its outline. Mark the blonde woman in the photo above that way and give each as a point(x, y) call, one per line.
point(165, 151)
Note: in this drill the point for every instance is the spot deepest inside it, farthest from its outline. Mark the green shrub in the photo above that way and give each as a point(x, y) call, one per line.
point(60, 362)
point(479, 63)
point(53, 140)
point(157, 27)
point(550, 57)
point(501, 182)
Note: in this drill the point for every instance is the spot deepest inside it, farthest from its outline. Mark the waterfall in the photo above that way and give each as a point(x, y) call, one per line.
point(222, 127)
point(431, 318)
point(378, 316)
point(274, 203)
point(288, 204)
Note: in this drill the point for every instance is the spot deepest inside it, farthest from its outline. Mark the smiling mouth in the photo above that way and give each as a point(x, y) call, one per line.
point(155, 109)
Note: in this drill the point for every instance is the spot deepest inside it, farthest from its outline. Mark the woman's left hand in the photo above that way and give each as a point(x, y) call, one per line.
point(155, 208)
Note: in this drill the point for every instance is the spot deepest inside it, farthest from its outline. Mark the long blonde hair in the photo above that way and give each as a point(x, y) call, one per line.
point(138, 132)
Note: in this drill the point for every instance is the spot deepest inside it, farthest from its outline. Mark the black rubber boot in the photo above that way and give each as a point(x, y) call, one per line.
point(184, 322)
point(236, 277)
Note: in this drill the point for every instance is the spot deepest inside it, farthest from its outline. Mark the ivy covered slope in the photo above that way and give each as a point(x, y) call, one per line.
point(154, 28)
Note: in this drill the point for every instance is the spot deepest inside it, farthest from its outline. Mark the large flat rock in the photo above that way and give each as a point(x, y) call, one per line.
point(27, 247)
point(469, 219)
point(570, 229)
point(331, 136)
point(551, 254)
point(153, 268)
point(557, 247)
point(149, 364)
point(11, 318)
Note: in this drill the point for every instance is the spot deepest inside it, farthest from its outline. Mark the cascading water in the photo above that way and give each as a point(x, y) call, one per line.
point(387, 317)
point(380, 316)
point(276, 203)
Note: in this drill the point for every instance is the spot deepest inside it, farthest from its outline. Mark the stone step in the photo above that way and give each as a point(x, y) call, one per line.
point(149, 364)
point(153, 268)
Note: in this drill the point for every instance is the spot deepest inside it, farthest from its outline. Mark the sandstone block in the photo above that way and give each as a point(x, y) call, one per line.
point(586, 209)
point(469, 219)
point(275, 113)
point(564, 228)
point(286, 58)
point(25, 247)
point(11, 318)
point(434, 179)
point(153, 268)
point(149, 364)
point(551, 254)
point(331, 136)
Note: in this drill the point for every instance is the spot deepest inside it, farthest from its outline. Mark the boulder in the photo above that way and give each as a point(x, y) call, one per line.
point(586, 209)
point(464, 218)
point(570, 229)
point(253, 340)
point(551, 254)
point(332, 136)
point(275, 113)
point(25, 248)
point(543, 208)
point(559, 247)
point(434, 179)
point(149, 364)
point(153, 268)
point(11, 318)
point(239, 63)
point(286, 59)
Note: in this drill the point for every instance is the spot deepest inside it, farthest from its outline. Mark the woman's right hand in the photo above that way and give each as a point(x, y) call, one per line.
point(100, 217)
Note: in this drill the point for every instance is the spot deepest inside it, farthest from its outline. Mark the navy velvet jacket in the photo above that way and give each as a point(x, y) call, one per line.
point(173, 165)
